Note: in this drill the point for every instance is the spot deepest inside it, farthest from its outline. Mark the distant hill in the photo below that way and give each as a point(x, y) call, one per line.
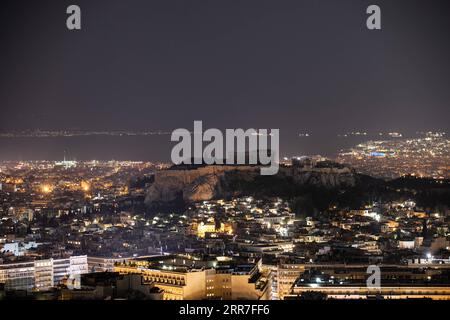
point(311, 188)
point(186, 184)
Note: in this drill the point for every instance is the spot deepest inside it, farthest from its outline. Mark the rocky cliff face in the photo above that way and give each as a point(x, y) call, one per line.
point(212, 182)
point(203, 188)
point(191, 185)
point(326, 178)
point(165, 190)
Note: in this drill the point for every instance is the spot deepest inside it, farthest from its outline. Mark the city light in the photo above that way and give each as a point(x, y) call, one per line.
point(46, 188)
point(85, 186)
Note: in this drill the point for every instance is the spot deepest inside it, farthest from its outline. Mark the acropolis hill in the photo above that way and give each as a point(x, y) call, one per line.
point(192, 183)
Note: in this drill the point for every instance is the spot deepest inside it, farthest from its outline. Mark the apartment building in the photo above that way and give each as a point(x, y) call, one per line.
point(185, 278)
point(42, 274)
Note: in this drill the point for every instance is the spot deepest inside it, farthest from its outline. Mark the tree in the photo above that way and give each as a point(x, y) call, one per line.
point(313, 295)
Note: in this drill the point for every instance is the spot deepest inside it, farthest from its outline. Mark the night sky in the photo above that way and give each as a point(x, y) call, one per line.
point(295, 65)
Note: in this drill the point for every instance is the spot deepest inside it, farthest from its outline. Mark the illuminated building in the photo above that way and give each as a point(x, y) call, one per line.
point(102, 264)
point(19, 248)
point(396, 282)
point(203, 228)
point(359, 290)
point(41, 274)
point(185, 278)
point(287, 274)
point(210, 227)
point(66, 164)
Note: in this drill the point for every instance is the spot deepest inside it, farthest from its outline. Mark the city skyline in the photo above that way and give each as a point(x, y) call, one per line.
point(217, 151)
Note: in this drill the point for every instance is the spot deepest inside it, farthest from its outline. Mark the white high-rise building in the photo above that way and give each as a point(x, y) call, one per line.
point(42, 274)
